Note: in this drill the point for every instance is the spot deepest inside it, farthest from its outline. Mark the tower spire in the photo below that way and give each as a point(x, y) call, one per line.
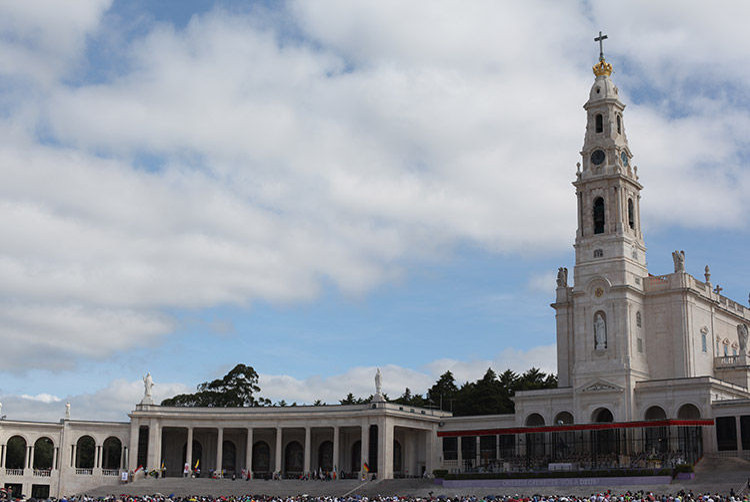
point(601, 38)
point(602, 67)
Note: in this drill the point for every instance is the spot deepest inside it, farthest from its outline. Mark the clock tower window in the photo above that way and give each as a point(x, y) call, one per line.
point(599, 123)
point(631, 214)
point(599, 215)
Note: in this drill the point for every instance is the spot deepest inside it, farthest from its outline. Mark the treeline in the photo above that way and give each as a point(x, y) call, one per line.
point(490, 395)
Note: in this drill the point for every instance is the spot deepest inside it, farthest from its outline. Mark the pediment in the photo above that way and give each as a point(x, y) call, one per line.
point(601, 386)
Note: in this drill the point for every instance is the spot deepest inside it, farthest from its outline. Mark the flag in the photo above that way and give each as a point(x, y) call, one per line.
point(196, 463)
point(138, 469)
point(163, 467)
point(365, 467)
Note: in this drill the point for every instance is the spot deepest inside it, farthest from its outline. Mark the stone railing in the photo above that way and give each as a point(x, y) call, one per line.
point(14, 472)
point(110, 472)
point(42, 473)
point(729, 361)
point(85, 472)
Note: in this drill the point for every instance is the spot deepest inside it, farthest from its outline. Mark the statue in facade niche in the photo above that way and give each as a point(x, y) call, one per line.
point(562, 277)
point(742, 336)
point(600, 332)
point(679, 261)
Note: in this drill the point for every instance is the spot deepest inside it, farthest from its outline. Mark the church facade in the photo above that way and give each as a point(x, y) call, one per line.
point(653, 370)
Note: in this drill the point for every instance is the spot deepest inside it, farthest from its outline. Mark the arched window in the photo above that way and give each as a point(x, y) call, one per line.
point(43, 453)
point(599, 215)
point(619, 124)
point(704, 343)
point(85, 450)
point(638, 319)
point(655, 413)
point(599, 123)
point(15, 453)
point(111, 453)
point(631, 214)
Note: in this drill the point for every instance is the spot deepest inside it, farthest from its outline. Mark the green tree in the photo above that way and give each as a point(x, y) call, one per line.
point(443, 392)
point(409, 399)
point(236, 389)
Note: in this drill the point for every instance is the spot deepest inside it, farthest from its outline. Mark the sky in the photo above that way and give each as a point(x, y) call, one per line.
point(318, 188)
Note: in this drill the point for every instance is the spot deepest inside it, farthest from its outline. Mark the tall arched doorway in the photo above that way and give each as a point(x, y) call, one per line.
point(294, 458)
point(261, 458)
point(656, 439)
point(534, 440)
point(228, 457)
point(325, 456)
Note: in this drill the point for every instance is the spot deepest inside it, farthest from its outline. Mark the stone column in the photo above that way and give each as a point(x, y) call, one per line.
point(55, 453)
point(98, 460)
point(365, 449)
point(307, 449)
point(154, 446)
point(478, 452)
point(29, 456)
point(219, 450)
point(123, 456)
point(385, 450)
point(336, 465)
point(430, 451)
point(278, 449)
point(460, 453)
point(73, 456)
point(133, 449)
point(189, 449)
point(2, 456)
point(249, 450)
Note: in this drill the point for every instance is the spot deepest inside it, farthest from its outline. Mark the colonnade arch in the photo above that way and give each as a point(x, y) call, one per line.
point(261, 457)
point(85, 452)
point(325, 455)
point(15, 456)
point(44, 451)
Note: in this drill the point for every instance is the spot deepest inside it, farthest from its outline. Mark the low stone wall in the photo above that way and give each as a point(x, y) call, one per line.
point(533, 482)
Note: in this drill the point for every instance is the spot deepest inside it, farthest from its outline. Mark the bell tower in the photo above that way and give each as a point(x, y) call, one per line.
point(600, 316)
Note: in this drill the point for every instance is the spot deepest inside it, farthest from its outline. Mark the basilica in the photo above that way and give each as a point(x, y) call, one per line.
point(653, 372)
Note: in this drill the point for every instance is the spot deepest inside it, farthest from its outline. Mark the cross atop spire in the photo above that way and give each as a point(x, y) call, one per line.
point(601, 38)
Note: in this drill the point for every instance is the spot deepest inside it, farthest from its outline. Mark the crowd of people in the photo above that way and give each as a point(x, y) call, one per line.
point(608, 496)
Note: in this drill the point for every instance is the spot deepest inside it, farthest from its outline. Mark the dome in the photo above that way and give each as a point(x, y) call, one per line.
point(603, 88)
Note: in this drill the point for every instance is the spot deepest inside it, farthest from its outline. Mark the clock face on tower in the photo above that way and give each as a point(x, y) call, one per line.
point(624, 158)
point(597, 157)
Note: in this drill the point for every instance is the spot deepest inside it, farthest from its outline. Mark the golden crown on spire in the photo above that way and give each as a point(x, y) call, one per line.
point(602, 68)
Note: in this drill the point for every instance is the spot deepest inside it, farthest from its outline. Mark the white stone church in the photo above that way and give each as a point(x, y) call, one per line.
point(653, 371)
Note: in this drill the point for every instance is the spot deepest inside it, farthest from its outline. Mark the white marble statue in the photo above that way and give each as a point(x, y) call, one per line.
point(562, 277)
point(148, 384)
point(600, 332)
point(378, 383)
point(67, 411)
point(742, 335)
point(679, 261)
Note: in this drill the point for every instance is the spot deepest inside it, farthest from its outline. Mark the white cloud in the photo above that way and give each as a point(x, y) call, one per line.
point(114, 401)
point(42, 398)
point(384, 133)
